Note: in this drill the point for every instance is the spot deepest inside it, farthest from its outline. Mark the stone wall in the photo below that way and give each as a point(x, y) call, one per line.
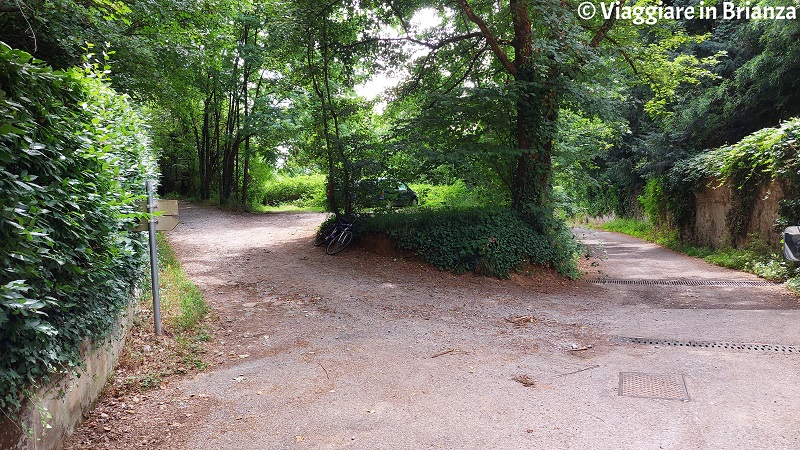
point(64, 400)
point(712, 204)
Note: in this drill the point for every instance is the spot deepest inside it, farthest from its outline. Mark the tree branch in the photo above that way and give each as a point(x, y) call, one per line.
point(399, 16)
point(490, 39)
point(432, 46)
point(624, 55)
point(471, 66)
point(603, 31)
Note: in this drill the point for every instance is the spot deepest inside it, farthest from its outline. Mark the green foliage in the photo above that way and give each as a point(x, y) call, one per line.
point(757, 258)
point(654, 200)
point(491, 241)
point(581, 188)
point(73, 159)
point(665, 70)
point(301, 191)
point(757, 84)
point(794, 284)
point(456, 195)
point(770, 154)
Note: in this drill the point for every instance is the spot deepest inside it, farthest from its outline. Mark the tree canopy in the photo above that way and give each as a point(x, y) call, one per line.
point(546, 108)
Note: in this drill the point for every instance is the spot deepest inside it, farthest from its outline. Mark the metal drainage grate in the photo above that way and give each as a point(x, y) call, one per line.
point(774, 348)
point(649, 385)
point(687, 282)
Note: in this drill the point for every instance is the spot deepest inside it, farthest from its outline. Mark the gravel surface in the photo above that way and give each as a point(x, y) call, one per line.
point(374, 349)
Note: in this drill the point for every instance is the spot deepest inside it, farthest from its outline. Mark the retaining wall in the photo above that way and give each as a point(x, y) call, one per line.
point(66, 399)
point(712, 205)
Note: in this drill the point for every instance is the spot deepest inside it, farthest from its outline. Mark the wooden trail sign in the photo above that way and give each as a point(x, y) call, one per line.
point(165, 220)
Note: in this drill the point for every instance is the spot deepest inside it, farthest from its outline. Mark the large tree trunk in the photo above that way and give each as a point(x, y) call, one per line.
point(536, 113)
point(205, 150)
point(536, 125)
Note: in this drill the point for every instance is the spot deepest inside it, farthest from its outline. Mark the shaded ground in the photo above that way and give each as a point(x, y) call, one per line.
point(365, 350)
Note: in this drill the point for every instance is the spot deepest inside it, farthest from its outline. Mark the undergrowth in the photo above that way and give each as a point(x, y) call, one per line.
point(490, 241)
point(455, 195)
point(148, 359)
point(301, 192)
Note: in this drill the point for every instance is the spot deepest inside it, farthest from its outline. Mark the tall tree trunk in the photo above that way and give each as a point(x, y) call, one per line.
point(536, 126)
point(345, 169)
point(537, 110)
point(330, 191)
point(205, 149)
point(246, 169)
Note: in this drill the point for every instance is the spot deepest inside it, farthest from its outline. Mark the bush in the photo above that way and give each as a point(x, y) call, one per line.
point(492, 241)
point(456, 195)
point(73, 159)
point(302, 191)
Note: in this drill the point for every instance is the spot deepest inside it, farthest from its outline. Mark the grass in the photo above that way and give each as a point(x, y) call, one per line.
point(183, 307)
point(757, 258)
point(286, 207)
point(148, 360)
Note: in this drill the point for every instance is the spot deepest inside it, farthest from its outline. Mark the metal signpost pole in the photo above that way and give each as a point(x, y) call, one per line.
point(151, 206)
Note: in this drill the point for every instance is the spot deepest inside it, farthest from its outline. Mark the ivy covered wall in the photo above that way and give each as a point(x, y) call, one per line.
point(74, 156)
point(744, 190)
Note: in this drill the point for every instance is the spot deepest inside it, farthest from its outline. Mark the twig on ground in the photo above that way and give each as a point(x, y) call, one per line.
point(580, 370)
point(323, 368)
point(443, 353)
point(579, 349)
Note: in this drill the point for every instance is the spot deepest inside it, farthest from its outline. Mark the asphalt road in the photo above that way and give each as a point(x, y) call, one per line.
point(378, 351)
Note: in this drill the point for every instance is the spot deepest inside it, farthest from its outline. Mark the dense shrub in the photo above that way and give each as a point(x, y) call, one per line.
point(492, 241)
point(301, 190)
point(456, 195)
point(73, 158)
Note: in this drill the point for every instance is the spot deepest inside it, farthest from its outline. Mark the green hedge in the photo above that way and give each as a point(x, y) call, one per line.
point(302, 191)
point(456, 195)
point(491, 241)
point(73, 159)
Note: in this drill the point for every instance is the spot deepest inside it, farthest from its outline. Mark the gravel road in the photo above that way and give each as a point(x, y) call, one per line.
point(373, 349)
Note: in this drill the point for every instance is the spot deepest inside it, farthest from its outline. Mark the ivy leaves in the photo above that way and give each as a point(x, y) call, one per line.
point(73, 158)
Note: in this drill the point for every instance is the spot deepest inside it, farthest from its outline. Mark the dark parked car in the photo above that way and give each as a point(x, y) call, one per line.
point(382, 191)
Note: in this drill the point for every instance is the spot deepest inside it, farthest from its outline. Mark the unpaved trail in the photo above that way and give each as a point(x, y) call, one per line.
point(366, 350)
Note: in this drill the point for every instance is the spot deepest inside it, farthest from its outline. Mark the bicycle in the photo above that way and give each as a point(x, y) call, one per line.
point(338, 235)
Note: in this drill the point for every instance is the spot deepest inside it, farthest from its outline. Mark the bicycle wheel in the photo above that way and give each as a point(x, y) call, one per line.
point(339, 243)
point(320, 239)
point(323, 235)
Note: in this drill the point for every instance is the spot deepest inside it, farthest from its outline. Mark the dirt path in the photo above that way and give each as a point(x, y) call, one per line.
point(364, 350)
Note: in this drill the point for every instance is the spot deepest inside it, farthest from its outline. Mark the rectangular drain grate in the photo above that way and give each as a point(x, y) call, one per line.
point(773, 348)
point(649, 385)
point(687, 282)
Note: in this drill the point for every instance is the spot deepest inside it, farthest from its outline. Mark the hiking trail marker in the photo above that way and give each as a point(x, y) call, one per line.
point(165, 221)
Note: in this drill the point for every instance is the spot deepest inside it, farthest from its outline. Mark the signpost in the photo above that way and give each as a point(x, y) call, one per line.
point(163, 222)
